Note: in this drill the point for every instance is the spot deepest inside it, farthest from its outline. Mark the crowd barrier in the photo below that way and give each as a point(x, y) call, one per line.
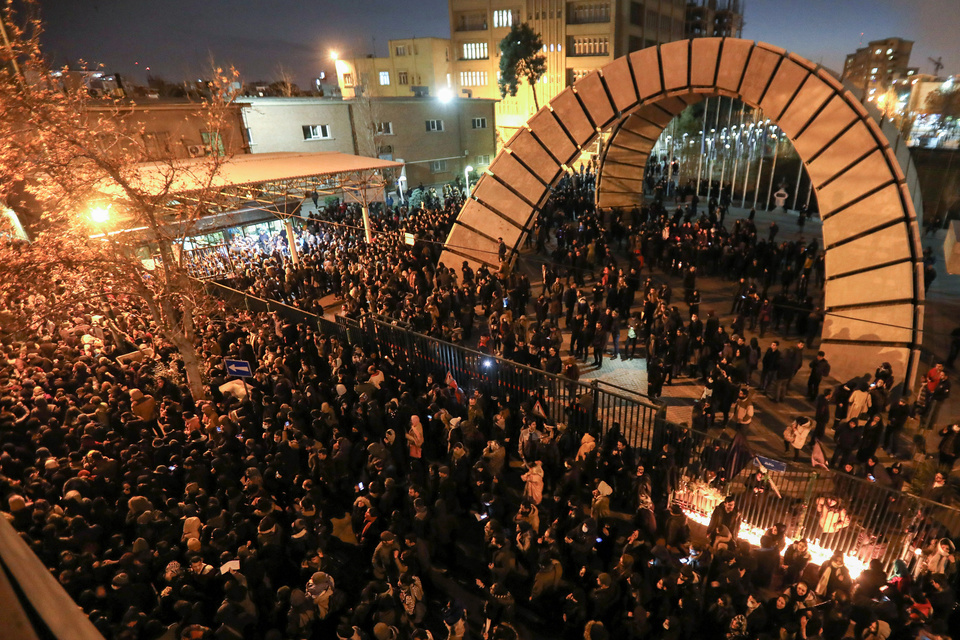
point(868, 520)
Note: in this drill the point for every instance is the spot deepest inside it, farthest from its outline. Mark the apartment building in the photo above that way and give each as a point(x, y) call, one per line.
point(414, 67)
point(579, 36)
point(874, 68)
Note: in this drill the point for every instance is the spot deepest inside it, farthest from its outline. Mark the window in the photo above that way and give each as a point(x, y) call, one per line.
point(434, 125)
point(485, 160)
point(479, 123)
point(348, 79)
point(385, 128)
point(316, 132)
point(474, 51)
point(474, 21)
point(473, 78)
point(874, 70)
point(591, 45)
point(384, 78)
point(400, 49)
point(503, 18)
point(402, 77)
point(588, 12)
point(889, 51)
point(438, 166)
point(212, 143)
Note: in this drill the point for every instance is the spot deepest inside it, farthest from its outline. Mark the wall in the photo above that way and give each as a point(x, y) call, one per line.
point(276, 124)
point(939, 174)
point(172, 129)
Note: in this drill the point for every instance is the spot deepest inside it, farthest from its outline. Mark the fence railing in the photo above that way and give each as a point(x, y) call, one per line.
point(867, 521)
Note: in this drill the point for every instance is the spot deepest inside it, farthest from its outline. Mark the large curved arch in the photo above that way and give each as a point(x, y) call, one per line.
point(874, 291)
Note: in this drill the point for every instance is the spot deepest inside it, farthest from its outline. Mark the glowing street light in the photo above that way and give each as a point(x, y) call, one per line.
point(100, 215)
point(445, 95)
point(466, 176)
point(334, 56)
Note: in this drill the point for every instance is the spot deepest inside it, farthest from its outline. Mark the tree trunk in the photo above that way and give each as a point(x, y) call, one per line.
point(536, 103)
point(191, 364)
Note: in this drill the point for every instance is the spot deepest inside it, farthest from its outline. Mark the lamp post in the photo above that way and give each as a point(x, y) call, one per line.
point(466, 178)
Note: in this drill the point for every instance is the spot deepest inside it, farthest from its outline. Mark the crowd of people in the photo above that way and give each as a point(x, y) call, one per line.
point(333, 496)
point(336, 494)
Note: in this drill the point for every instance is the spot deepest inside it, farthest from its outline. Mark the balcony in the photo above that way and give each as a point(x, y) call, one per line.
point(472, 22)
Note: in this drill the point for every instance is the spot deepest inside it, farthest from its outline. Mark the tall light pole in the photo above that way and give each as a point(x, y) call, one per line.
point(466, 178)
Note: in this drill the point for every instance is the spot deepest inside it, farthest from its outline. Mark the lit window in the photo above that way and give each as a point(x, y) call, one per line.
point(503, 18)
point(479, 123)
point(384, 78)
point(400, 49)
point(348, 79)
point(434, 125)
point(474, 50)
point(316, 132)
point(385, 128)
point(483, 160)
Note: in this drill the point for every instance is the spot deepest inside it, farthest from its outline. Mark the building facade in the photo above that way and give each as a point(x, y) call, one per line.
point(436, 139)
point(175, 128)
point(579, 36)
point(873, 69)
point(414, 67)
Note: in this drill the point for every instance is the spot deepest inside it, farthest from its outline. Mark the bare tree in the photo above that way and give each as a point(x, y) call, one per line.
point(101, 208)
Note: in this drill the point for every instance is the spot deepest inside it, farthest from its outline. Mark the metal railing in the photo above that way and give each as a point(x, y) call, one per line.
point(869, 520)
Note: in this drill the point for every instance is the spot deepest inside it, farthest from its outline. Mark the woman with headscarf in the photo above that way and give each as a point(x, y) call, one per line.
point(834, 576)
point(533, 490)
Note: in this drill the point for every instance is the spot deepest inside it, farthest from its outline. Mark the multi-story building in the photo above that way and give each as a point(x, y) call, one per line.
point(436, 139)
point(873, 69)
point(414, 67)
point(714, 18)
point(579, 36)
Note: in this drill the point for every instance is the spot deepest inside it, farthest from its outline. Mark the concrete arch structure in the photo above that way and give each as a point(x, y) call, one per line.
point(874, 292)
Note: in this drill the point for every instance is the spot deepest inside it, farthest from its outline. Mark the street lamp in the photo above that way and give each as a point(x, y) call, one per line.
point(99, 215)
point(466, 176)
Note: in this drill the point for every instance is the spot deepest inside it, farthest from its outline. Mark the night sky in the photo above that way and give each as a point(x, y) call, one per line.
point(177, 38)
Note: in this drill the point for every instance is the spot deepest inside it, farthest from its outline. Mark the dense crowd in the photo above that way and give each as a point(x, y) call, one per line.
point(605, 291)
point(331, 496)
point(336, 494)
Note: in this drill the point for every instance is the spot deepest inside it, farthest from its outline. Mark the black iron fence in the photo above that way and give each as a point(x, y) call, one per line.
point(833, 510)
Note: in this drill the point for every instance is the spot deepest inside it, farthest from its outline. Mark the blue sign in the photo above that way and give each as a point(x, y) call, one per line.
point(239, 368)
point(772, 465)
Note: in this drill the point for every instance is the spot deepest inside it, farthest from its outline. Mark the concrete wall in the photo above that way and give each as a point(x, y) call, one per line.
point(276, 124)
point(172, 129)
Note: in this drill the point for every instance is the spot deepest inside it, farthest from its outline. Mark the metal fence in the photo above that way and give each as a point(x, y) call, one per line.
point(867, 520)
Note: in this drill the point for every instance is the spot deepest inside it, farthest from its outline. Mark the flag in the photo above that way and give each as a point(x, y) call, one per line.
point(766, 475)
point(818, 458)
point(738, 455)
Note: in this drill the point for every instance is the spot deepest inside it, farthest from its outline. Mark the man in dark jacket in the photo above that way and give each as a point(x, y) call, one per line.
point(819, 369)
